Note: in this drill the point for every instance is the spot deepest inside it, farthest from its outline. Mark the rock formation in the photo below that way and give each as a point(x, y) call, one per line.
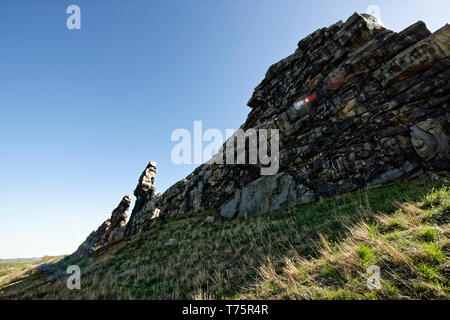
point(110, 231)
point(356, 105)
point(380, 114)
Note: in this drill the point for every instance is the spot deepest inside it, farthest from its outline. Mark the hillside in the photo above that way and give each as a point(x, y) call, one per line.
point(319, 250)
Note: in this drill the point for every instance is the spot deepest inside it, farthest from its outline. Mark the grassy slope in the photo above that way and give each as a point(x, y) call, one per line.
point(12, 269)
point(319, 250)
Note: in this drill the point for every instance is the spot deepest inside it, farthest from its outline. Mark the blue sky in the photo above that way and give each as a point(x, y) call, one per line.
point(83, 111)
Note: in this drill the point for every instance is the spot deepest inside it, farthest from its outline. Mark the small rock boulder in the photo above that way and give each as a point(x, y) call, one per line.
point(171, 242)
point(266, 195)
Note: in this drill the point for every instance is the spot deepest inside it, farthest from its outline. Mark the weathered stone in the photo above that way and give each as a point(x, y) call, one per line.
point(265, 195)
point(110, 231)
point(438, 132)
point(146, 208)
point(417, 57)
point(424, 143)
point(209, 220)
point(392, 175)
point(146, 180)
point(171, 242)
point(231, 208)
point(381, 115)
point(127, 272)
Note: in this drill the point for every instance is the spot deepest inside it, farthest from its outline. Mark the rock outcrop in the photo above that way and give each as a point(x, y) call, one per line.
point(265, 195)
point(110, 231)
point(146, 208)
point(356, 106)
point(380, 114)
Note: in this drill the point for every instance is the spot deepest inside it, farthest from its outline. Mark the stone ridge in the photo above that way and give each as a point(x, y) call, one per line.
point(380, 114)
point(110, 231)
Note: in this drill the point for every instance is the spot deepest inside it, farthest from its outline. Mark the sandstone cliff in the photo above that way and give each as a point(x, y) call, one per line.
point(379, 113)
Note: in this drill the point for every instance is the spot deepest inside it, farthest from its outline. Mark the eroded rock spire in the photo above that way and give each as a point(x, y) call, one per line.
point(146, 207)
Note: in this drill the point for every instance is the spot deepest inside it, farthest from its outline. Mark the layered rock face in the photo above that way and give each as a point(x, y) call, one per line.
point(356, 106)
point(110, 231)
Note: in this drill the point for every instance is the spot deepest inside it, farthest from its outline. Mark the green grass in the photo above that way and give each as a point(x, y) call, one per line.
point(434, 252)
point(429, 234)
point(319, 251)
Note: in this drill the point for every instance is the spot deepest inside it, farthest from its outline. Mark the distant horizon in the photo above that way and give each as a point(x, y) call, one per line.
point(31, 258)
point(87, 109)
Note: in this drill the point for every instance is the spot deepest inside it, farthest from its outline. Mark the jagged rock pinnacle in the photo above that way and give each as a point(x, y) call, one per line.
point(110, 231)
point(146, 180)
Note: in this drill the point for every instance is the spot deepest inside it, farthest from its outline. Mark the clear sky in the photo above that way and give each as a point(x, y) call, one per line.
point(83, 111)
